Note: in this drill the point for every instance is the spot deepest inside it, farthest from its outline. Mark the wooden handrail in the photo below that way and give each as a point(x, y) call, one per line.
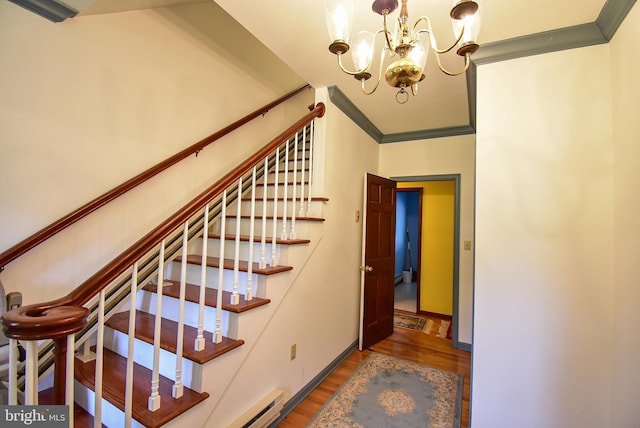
point(39, 237)
point(58, 317)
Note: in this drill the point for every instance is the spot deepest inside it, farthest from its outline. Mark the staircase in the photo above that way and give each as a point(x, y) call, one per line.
point(168, 333)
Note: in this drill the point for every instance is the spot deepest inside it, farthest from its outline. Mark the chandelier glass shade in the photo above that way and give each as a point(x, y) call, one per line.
point(407, 46)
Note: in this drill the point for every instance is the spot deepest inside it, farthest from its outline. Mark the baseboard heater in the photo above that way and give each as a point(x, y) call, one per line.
point(262, 413)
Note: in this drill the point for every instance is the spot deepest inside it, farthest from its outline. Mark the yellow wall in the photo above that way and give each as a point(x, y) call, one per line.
point(436, 262)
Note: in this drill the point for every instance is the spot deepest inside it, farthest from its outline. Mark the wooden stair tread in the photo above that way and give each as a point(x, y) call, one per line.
point(245, 238)
point(242, 266)
point(313, 199)
point(270, 217)
point(113, 387)
point(81, 418)
point(145, 325)
point(192, 294)
point(292, 170)
point(290, 183)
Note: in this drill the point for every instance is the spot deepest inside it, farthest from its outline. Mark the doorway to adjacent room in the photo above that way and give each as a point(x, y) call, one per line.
point(427, 249)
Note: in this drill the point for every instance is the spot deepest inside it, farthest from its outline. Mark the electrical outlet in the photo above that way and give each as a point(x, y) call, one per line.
point(467, 245)
point(292, 355)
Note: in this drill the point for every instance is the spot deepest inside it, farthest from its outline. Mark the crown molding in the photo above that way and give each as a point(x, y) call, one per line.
point(340, 100)
point(601, 31)
point(540, 43)
point(426, 134)
point(611, 16)
point(52, 10)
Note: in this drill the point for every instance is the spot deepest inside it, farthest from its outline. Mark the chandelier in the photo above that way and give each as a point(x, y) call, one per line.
point(408, 46)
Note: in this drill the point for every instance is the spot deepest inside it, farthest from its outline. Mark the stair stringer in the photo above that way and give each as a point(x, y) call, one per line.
point(219, 374)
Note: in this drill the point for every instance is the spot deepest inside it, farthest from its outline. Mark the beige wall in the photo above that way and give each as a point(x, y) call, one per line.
point(452, 155)
point(109, 95)
point(320, 312)
point(626, 154)
point(89, 103)
point(544, 242)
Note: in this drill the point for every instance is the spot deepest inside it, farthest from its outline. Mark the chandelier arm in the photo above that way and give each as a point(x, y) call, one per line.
point(364, 90)
point(432, 37)
point(467, 63)
point(351, 73)
point(385, 30)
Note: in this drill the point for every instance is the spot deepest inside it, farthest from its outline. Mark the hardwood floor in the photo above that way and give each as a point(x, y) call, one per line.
point(406, 344)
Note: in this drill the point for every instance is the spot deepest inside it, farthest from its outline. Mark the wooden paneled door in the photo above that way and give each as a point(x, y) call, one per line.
point(378, 260)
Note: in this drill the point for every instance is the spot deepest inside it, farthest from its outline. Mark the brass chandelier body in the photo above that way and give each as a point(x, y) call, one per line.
point(405, 43)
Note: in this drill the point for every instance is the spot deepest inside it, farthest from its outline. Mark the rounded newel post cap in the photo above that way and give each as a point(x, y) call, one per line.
point(323, 109)
point(34, 323)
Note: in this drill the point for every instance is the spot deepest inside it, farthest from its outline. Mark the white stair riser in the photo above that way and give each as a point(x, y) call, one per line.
point(213, 249)
point(143, 354)
point(302, 227)
point(300, 165)
point(289, 178)
point(171, 309)
point(271, 189)
point(288, 171)
point(111, 415)
point(193, 277)
point(315, 211)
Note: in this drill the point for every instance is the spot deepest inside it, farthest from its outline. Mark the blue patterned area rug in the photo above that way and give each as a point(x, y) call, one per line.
point(387, 392)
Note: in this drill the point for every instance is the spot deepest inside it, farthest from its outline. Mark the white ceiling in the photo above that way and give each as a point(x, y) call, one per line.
point(295, 31)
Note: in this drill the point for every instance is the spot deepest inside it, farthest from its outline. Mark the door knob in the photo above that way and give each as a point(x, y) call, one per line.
point(366, 268)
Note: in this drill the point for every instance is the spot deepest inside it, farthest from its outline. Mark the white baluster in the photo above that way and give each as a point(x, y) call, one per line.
point(178, 387)
point(285, 231)
point(86, 354)
point(31, 374)
point(217, 337)
point(128, 397)
point(263, 238)
point(252, 224)
point(311, 138)
point(302, 171)
point(292, 233)
point(199, 342)
point(235, 297)
point(97, 415)
point(13, 372)
point(154, 398)
point(274, 232)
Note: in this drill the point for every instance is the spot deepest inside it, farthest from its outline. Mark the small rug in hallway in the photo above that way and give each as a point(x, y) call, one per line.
point(444, 331)
point(387, 392)
point(425, 325)
point(409, 321)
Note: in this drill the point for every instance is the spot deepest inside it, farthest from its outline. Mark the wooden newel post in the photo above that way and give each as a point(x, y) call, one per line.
point(60, 371)
point(36, 322)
